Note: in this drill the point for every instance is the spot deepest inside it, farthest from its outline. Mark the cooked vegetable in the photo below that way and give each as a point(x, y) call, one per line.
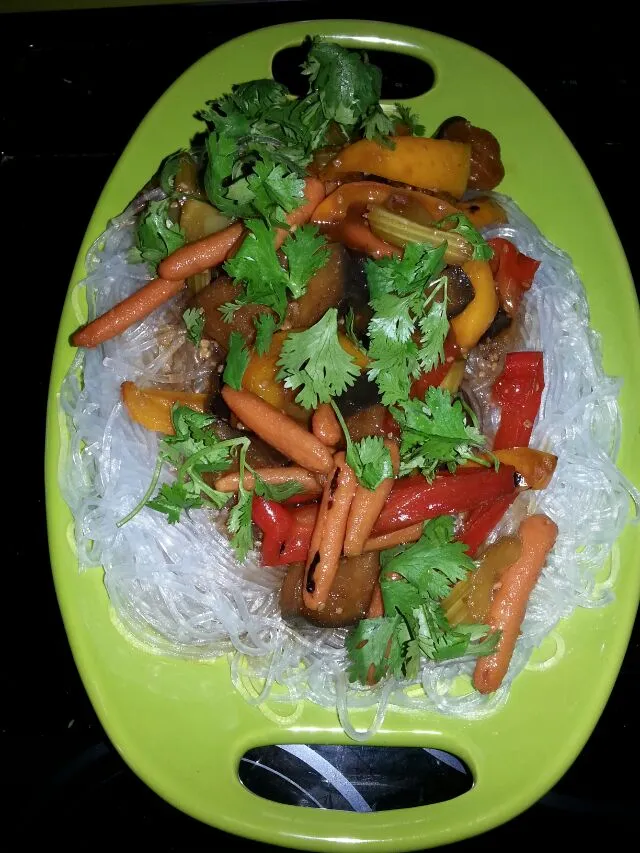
point(131, 310)
point(324, 290)
point(325, 426)
point(349, 598)
point(275, 522)
point(413, 580)
point(367, 505)
point(483, 211)
point(197, 257)
point(486, 170)
point(415, 499)
point(279, 430)
point(199, 219)
point(212, 298)
point(513, 273)
point(151, 407)
point(469, 326)
point(328, 535)
point(535, 466)
point(431, 164)
point(307, 482)
point(398, 537)
point(518, 390)
point(376, 605)
point(470, 599)
point(401, 231)
point(333, 209)
point(260, 378)
point(482, 520)
point(537, 534)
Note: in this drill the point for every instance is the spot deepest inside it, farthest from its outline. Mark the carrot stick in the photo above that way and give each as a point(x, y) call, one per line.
point(538, 535)
point(202, 254)
point(367, 506)
point(376, 605)
point(272, 476)
point(325, 426)
point(211, 251)
point(314, 193)
point(131, 310)
point(279, 430)
point(328, 535)
point(397, 537)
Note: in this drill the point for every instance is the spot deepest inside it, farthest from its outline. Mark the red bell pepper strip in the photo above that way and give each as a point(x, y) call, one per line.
point(482, 520)
point(435, 376)
point(513, 273)
point(275, 522)
point(518, 390)
point(414, 499)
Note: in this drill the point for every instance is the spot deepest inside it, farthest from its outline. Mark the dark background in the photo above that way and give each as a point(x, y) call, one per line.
point(75, 85)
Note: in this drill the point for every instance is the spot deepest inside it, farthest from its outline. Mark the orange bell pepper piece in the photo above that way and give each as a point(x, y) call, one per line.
point(334, 207)
point(431, 164)
point(471, 324)
point(151, 407)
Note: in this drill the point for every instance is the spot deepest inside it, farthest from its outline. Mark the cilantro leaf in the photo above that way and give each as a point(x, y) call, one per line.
point(279, 492)
point(237, 361)
point(369, 458)
point(194, 321)
point(314, 361)
point(265, 327)
point(347, 85)
point(173, 498)
point(156, 235)
point(379, 126)
point(268, 191)
point(418, 264)
point(256, 264)
point(409, 119)
point(482, 251)
point(373, 648)
point(306, 252)
point(436, 430)
point(239, 523)
point(392, 364)
point(433, 330)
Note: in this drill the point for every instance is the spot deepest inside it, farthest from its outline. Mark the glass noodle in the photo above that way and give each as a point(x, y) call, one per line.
point(178, 590)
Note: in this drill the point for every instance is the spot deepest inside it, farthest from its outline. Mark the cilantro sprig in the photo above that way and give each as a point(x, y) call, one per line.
point(265, 281)
point(194, 322)
point(156, 235)
point(315, 362)
point(437, 430)
point(415, 625)
point(408, 327)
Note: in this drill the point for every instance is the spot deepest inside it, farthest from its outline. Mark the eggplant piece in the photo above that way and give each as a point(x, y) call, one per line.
point(324, 290)
point(487, 169)
point(361, 395)
point(369, 421)
point(212, 297)
point(499, 323)
point(460, 291)
point(356, 292)
point(349, 597)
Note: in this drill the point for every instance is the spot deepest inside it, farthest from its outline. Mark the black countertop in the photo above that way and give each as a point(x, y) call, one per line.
point(75, 87)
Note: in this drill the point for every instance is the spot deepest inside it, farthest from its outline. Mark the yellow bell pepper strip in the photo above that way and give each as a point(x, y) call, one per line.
point(151, 407)
point(431, 164)
point(470, 325)
point(535, 466)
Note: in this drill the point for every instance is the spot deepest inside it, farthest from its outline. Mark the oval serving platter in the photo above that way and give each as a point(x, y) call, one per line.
point(180, 724)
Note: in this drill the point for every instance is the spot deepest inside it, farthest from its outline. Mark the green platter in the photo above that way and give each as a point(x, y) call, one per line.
point(180, 724)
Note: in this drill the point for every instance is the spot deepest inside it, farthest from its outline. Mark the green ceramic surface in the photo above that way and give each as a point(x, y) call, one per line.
point(179, 724)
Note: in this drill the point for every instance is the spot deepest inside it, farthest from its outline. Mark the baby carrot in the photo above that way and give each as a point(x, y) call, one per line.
point(274, 477)
point(279, 430)
point(538, 535)
point(131, 310)
point(367, 506)
point(328, 535)
point(325, 426)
